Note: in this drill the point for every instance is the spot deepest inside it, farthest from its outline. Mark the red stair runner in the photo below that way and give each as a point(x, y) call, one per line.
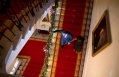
point(34, 50)
point(73, 20)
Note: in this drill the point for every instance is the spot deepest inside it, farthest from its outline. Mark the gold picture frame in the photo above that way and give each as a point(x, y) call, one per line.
point(101, 35)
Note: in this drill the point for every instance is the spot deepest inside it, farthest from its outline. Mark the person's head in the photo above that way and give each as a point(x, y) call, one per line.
point(80, 38)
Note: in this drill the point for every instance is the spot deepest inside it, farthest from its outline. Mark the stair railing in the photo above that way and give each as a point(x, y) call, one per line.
point(30, 8)
point(24, 7)
point(40, 3)
point(4, 10)
point(19, 10)
point(16, 24)
point(49, 44)
point(19, 22)
point(7, 27)
point(32, 5)
point(37, 3)
point(6, 37)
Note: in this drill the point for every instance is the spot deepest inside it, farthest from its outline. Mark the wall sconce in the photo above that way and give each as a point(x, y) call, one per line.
point(43, 26)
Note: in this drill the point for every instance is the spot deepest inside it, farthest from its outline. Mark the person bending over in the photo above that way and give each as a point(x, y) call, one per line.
point(66, 37)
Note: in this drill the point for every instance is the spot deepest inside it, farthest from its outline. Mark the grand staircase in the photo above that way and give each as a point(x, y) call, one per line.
point(75, 17)
point(71, 15)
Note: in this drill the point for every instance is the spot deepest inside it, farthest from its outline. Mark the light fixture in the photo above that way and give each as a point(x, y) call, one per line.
point(43, 26)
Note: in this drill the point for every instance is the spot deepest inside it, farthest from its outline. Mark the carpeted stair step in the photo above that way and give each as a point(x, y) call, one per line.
point(32, 69)
point(77, 30)
point(75, 12)
point(72, 15)
point(64, 56)
point(38, 66)
point(67, 58)
point(76, 34)
point(81, 8)
point(66, 65)
point(60, 61)
point(73, 24)
point(69, 53)
point(72, 28)
point(82, 4)
point(65, 71)
point(74, 31)
point(67, 48)
point(73, 20)
point(70, 23)
point(74, 8)
point(30, 74)
point(63, 75)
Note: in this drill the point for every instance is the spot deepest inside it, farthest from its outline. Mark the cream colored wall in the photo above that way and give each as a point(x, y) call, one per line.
point(105, 63)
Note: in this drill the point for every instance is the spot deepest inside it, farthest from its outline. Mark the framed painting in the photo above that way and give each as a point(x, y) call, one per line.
point(101, 35)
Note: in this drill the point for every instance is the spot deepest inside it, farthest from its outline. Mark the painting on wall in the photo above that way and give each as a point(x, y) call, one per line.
point(101, 35)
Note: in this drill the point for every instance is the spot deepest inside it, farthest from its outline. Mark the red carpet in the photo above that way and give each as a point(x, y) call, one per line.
point(34, 50)
point(73, 20)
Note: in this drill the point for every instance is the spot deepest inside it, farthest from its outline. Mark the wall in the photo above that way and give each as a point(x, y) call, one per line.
point(105, 63)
